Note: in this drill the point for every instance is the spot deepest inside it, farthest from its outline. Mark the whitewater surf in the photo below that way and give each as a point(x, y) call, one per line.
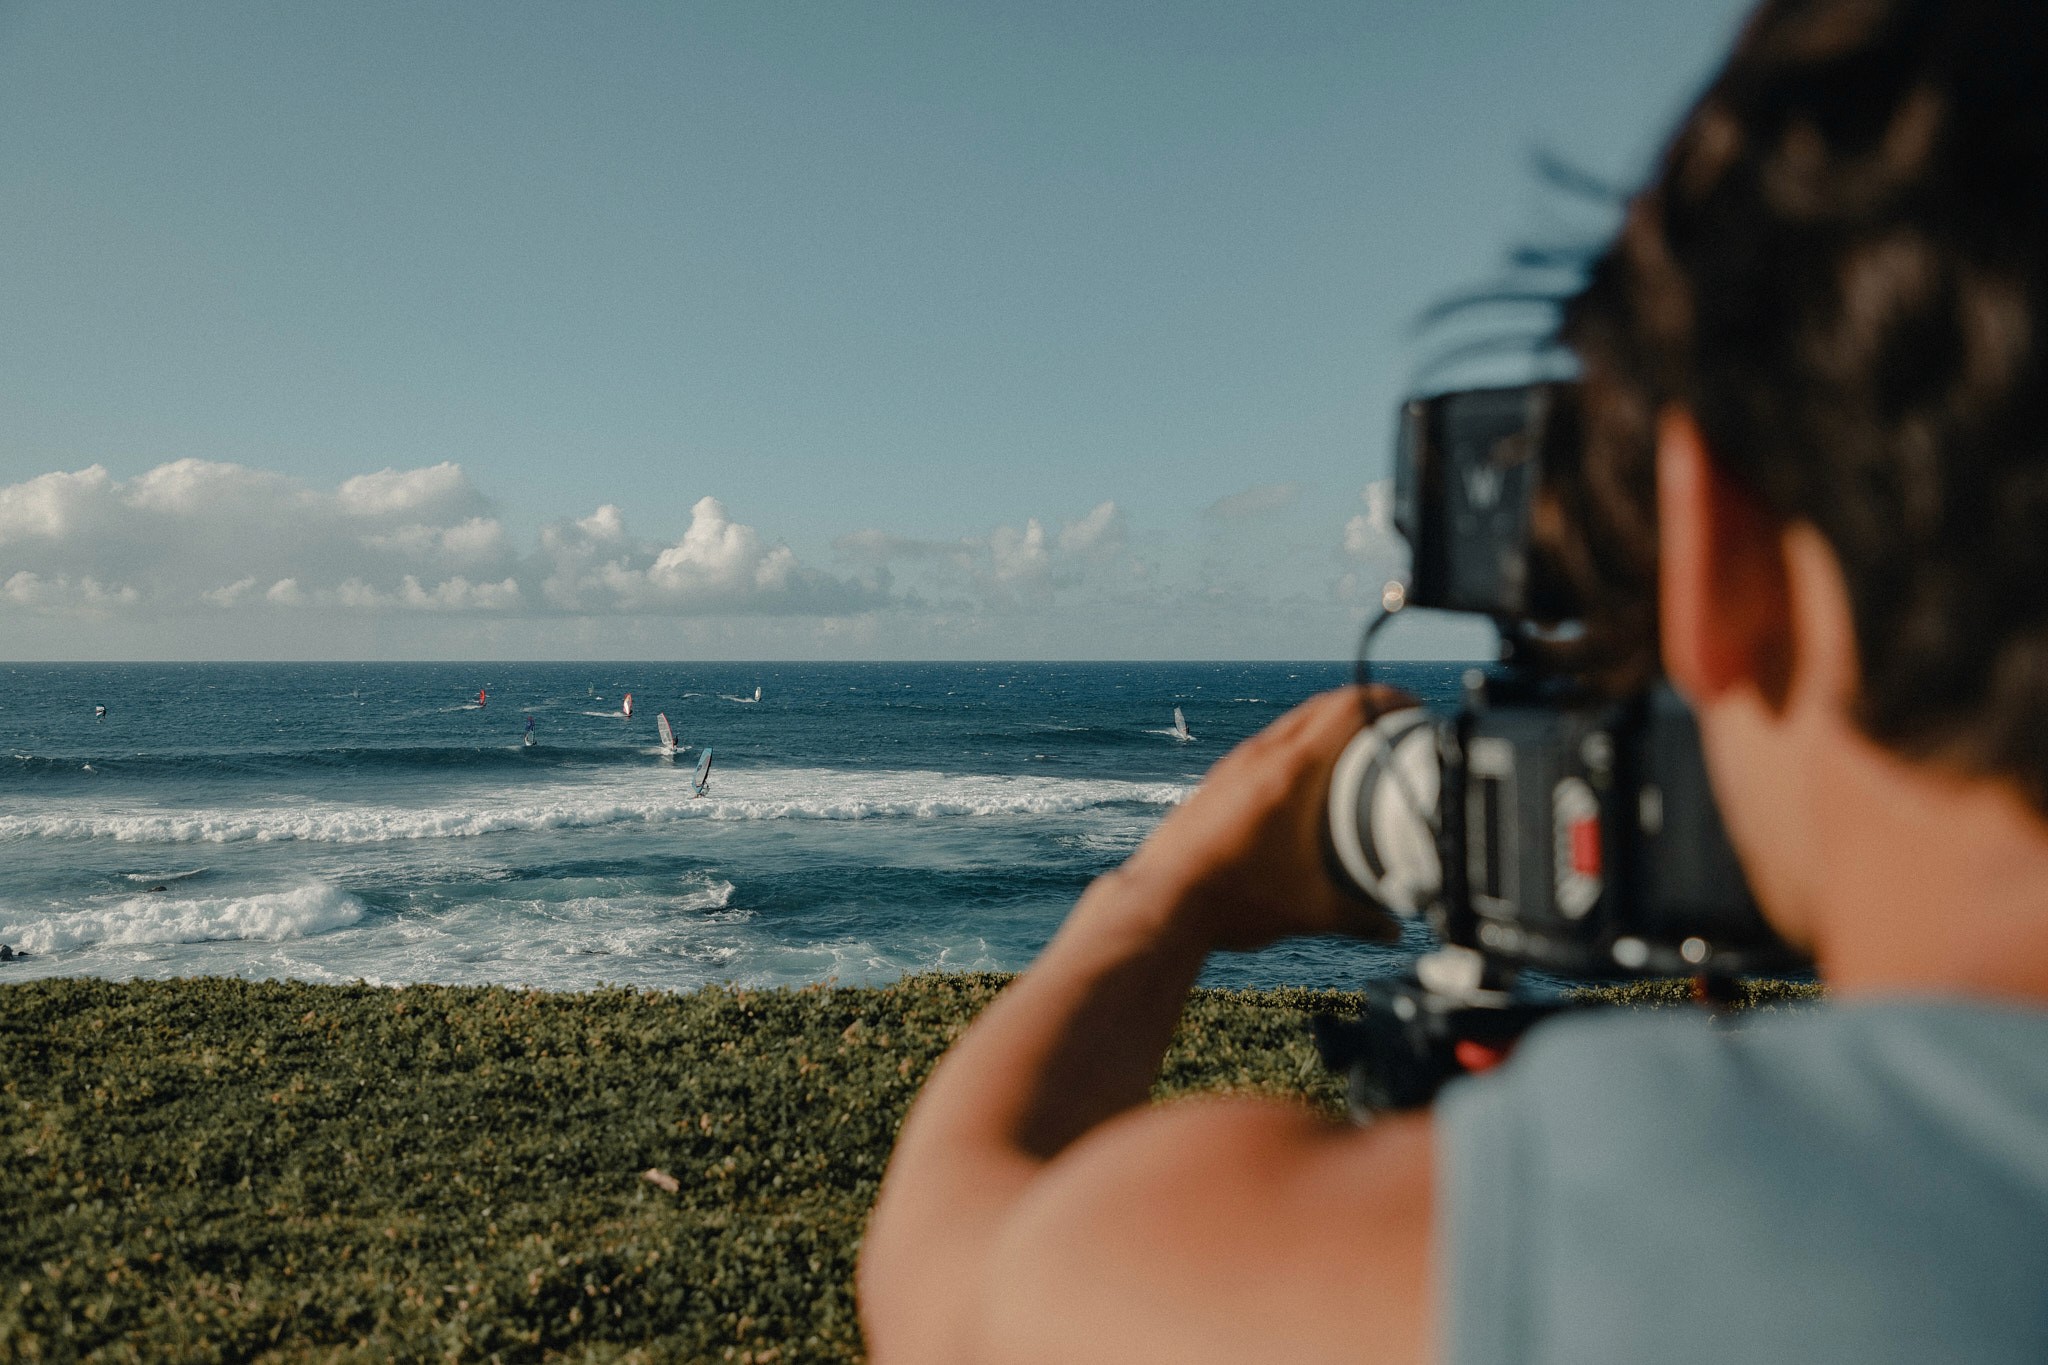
point(873, 820)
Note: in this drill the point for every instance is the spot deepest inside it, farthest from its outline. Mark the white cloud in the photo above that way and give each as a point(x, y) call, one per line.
point(569, 550)
point(61, 594)
point(716, 554)
point(51, 506)
point(1376, 551)
point(475, 540)
point(1007, 566)
point(1018, 554)
point(442, 488)
point(357, 595)
point(1257, 501)
point(459, 594)
point(606, 523)
point(228, 594)
point(719, 566)
point(1101, 532)
point(204, 536)
point(453, 594)
point(1371, 534)
point(199, 558)
point(208, 489)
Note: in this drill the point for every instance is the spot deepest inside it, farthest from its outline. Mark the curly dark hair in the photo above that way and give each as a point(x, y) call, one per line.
point(1840, 268)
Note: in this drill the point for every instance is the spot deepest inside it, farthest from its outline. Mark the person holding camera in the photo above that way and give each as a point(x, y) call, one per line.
point(1812, 486)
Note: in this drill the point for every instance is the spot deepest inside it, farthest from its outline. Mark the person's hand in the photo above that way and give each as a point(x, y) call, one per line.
point(1244, 857)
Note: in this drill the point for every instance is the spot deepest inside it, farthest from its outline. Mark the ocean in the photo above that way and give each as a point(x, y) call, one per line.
point(344, 822)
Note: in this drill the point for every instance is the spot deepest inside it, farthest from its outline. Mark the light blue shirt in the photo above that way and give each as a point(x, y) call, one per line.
point(1863, 1183)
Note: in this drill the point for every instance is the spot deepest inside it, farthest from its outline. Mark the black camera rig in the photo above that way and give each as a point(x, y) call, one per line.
point(1544, 825)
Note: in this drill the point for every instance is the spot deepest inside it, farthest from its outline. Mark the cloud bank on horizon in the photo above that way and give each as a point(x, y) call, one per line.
point(200, 559)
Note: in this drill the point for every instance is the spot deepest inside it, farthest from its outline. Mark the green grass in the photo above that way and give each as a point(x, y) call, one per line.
point(1758, 994)
point(224, 1170)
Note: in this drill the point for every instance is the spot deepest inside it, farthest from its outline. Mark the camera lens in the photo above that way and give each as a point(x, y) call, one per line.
point(1383, 811)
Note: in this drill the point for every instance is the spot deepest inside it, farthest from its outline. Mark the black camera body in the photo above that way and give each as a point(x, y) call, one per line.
point(1586, 842)
point(1543, 826)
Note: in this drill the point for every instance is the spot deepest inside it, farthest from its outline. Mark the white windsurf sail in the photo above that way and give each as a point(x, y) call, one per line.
point(702, 781)
point(757, 692)
point(628, 707)
point(667, 733)
point(528, 736)
point(1180, 726)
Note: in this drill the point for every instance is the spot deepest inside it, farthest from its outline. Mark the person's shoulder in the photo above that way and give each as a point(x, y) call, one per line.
point(1211, 1229)
point(1598, 1056)
point(1810, 1068)
point(1855, 1034)
point(1869, 1179)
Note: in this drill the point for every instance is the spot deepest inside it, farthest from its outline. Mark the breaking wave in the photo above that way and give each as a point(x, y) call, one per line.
point(819, 794)
point(299, 913)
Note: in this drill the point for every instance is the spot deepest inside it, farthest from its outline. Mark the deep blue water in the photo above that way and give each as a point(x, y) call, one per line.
point(331, 822)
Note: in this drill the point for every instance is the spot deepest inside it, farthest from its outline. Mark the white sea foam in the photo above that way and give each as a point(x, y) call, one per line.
point(680, 937)
point(148, 877)
point(301, 912)
point(654, 796)
point(708, 895)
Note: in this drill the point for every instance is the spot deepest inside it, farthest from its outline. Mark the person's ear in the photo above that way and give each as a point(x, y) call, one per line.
point(1722, 593)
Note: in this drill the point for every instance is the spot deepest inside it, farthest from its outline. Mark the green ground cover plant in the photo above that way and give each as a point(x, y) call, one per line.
point(226, 1170)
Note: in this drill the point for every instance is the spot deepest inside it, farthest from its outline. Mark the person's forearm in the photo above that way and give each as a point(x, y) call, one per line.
point(1071, 1043)
point(1077, 1038)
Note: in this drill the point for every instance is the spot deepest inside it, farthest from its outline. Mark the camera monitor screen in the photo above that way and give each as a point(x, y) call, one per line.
point(1468, 470)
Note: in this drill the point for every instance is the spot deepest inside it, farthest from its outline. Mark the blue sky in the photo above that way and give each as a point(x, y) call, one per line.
point(756, 330)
